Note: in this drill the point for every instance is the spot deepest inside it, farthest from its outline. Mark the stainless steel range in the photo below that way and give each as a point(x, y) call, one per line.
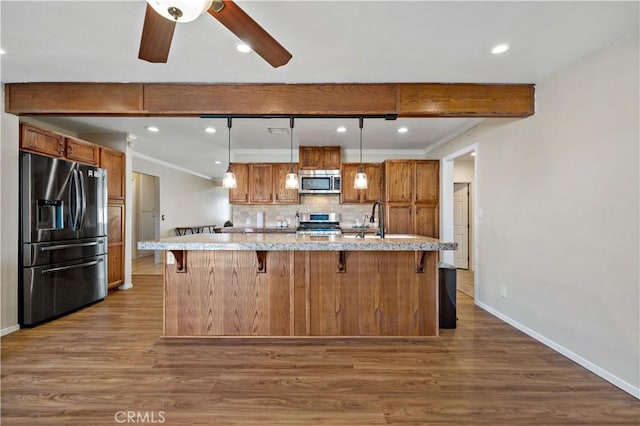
point(319, 224)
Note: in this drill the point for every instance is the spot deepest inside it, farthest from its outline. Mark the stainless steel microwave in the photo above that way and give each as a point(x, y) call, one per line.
point(319, 181)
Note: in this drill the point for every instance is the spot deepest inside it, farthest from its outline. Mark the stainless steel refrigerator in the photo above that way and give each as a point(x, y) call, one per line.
point(63, 237)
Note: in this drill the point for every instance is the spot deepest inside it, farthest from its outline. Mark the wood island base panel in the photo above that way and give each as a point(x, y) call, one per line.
point(287, 285)
point(302, 293)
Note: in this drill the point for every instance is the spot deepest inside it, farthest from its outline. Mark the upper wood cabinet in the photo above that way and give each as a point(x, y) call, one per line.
point(34, 139)
point(319, 157)
point(398, 176)
point(82, 151)
point(412, 193)
point(114, 162)
point(240, 194)
point(350, 195)
point(262, 183)
point(282, 194)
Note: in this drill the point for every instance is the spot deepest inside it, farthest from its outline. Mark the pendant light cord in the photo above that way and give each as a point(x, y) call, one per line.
point(291, 146)
point(361, 123)
point(229, 148)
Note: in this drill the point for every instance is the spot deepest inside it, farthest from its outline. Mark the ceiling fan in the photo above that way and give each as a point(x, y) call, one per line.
point(161, 16)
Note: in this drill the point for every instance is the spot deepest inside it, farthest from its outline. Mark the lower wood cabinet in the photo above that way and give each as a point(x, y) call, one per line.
point(301, 293)
point(115, 248)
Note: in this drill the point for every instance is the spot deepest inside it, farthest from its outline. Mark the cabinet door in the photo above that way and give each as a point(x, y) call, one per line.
point(399, 180)
point(427, 175)
point(41, 141)
point(426, 220)
point(113, 162)
point(374, 184)
point(310, 157)
point(81, 151)
point(399, 219)
point(260, 183)
point(115, 265)
point(348, 194)
point(240, 194)
point(115, 238)
point(331, 158)
point(282, 194)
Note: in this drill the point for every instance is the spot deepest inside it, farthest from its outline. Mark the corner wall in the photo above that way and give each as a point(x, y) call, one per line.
point(560, 229)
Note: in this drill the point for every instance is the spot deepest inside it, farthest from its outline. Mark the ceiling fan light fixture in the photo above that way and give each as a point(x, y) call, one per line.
point(180, 10)
point(243, 48)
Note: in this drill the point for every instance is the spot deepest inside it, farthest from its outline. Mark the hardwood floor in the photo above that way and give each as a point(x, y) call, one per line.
point(107, 362)
point(145, 266)
point(464, 281)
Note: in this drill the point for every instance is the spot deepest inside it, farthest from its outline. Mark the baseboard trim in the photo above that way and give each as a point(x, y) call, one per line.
point(611, 378)
point(125, 286)
point(9, 330)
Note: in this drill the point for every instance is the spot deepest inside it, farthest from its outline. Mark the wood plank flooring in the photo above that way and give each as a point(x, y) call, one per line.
point(104, 363)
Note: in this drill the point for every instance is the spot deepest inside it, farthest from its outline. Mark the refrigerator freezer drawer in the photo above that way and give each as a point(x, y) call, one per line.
point(52, 290)
point(62, 251)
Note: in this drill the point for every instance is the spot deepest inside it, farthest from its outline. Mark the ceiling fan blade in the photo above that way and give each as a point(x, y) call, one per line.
point(248, 30)
point(157, 33)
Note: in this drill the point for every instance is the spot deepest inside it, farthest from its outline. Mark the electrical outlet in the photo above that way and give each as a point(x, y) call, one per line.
point(503, 291)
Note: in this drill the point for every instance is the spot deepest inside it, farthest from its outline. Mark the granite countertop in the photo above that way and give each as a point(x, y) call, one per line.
point(253, 229)
point(284, 241)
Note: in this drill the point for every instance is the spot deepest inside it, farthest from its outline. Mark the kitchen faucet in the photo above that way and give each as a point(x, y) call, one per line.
point(380, 216)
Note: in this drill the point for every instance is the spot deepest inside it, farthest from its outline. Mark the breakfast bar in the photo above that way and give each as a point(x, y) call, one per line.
point(287, 285)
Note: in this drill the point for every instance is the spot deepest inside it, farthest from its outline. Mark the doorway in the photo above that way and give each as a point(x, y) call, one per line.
point(461, 224)
point(459, 186)
point(146, 209)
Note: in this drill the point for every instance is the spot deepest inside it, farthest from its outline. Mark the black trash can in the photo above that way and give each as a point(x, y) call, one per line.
point(447, 289)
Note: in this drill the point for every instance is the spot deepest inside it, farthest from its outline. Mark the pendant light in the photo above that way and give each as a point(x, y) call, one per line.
point(229, 178)
point(291, 181)
point(360, 182)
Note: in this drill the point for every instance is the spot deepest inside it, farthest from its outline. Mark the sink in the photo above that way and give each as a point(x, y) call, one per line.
point(389, 236)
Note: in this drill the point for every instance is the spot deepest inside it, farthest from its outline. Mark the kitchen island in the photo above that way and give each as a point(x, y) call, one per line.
point(289, 285)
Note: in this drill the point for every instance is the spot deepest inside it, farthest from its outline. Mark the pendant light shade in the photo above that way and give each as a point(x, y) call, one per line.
point(360, 182)
point(291, 182)
point(229, 178)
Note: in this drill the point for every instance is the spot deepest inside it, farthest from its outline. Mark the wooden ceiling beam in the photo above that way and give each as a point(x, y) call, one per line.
point(327, 99)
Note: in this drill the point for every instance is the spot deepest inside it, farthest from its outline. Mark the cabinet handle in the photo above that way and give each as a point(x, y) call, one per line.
point(61, 148)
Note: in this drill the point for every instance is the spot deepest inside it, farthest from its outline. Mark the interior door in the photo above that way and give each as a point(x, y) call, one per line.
point(461, 224)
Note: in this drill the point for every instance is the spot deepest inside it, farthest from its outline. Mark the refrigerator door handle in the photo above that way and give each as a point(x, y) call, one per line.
point(66, 246)
point(83, 200)
point(66, 268)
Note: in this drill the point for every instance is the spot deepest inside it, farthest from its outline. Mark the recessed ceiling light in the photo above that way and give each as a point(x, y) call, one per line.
point(210, 130)
point(217, 162)
point(153, 129)
point(403, 130)
point(341, 129)
point(244, 48)
point(473, 154)
point(2, 52)
point(500, 48)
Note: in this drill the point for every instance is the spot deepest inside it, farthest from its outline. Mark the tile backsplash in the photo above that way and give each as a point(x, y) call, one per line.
point(244, 215)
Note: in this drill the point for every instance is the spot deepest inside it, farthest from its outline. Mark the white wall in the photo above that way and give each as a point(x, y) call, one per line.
point(560, 230)
point(186, 199)
point(8, 222)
